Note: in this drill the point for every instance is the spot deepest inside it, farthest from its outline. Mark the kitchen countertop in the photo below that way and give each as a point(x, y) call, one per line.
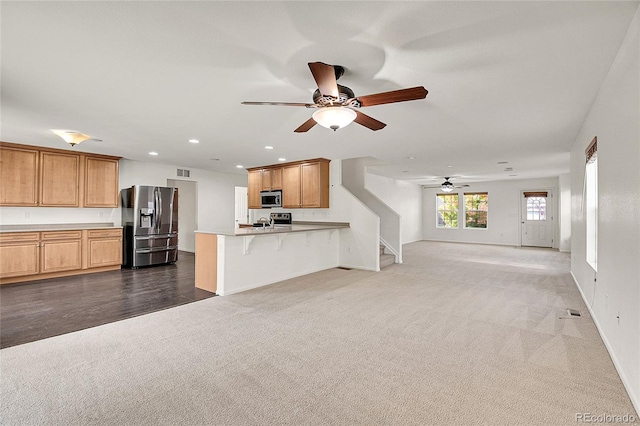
point(280, 229)
point(56, 227)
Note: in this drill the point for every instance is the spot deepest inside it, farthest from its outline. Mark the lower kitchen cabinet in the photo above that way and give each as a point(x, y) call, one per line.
point(104, 248)
point(27, 256)
point(60, 251)
point(19, 254)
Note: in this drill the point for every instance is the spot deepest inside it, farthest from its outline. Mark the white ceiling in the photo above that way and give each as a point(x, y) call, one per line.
point(507, 81)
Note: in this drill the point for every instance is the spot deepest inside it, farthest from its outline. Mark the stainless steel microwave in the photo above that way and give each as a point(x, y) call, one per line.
point(270, 199)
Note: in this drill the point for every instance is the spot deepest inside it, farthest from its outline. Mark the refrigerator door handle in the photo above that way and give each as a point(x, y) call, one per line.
point(158, 203)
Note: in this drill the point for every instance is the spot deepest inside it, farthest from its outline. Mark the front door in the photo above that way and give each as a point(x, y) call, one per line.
point(537, 218)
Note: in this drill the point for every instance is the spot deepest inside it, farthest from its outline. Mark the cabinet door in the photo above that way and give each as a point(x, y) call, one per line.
point(254, 188)
point(59, 179)
point(61, 256)
point(310, 184)
point(19, 259)
point(104, 252)
point(276, 178)
point(291, 186)
point(18, 177)
point(101, 182)
point(266, 180)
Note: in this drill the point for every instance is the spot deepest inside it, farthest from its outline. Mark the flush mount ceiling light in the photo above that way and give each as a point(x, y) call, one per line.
point(72, 137)
point(194, 141)
point(334, 117)
point(446, 185)
point(153, 153)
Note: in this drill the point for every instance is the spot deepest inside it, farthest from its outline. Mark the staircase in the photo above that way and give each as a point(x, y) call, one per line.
point(386, 259)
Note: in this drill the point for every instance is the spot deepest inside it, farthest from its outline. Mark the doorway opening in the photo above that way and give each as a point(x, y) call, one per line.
point(187, 213)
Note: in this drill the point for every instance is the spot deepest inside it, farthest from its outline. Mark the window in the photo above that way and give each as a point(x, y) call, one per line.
point(591, 203)
point(476, 209)
point(447, 211)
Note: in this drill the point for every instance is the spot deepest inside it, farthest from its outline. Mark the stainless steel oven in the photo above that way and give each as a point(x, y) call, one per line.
point(270, 199)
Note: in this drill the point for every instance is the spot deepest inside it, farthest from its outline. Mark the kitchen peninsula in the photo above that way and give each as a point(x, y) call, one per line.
point(232, 261)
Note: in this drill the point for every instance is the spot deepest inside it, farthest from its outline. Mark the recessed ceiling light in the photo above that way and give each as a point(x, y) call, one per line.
point(194, 141)
point(411, 158)
point(502, 162)
point(282, 159)
point(239, 166)
point(153, 153)
point(449, 166)
point(268, 147)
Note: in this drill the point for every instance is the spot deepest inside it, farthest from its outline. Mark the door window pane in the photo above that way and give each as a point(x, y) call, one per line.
point(536, 208)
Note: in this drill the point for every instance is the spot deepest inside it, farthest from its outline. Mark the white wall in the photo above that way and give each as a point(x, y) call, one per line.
point(403, 197)
point(55, 215)
point(564, 212)
point(615, 119)
point(504, 222)
point(216, 191)
point(187, 213)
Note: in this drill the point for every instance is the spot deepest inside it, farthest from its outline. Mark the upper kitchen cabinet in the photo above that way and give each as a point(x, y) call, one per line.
point(304, 184)
point(19, 174)
point(101, 182)
point(59, 179)
point(254, 187)
point(35, 176)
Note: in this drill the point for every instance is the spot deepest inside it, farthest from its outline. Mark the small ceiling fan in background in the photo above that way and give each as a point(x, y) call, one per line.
point(446, 186)
point(337, 106)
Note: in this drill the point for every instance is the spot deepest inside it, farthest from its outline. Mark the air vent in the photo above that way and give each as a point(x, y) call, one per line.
point(574, 313)
point(508, 169)
point(184, 173)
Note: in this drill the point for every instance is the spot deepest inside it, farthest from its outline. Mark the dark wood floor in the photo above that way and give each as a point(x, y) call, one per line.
point(40, 309)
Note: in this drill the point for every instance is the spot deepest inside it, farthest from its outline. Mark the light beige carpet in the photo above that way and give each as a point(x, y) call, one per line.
point(457, 335)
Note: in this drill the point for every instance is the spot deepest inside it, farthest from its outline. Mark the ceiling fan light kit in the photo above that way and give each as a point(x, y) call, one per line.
point(334, 117)
point(335, 103)
point(446, 185)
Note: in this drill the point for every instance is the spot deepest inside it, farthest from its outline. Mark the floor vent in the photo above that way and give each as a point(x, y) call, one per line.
point(345, 269)
point(574, 313)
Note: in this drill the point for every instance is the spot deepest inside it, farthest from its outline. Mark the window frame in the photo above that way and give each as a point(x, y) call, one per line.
point(466, 194)
point(457, 210)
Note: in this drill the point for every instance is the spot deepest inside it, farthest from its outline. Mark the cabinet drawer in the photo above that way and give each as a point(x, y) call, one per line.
point(18, 237)
point(61, 235)
point(103, 233)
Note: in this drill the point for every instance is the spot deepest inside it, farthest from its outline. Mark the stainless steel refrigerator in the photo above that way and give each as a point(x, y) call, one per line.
point(150, 221)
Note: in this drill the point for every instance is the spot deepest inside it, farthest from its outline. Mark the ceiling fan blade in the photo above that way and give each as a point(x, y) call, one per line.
point(369, 122)
point(401, 95)
point(280, 104)
point(306, 126)
point(325, 76)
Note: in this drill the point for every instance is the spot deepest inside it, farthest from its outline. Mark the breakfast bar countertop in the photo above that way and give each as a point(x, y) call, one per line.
point(56, 227)
point(280, 229)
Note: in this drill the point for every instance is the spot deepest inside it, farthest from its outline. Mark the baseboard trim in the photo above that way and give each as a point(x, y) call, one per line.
point(627, 386)
point(470, 242)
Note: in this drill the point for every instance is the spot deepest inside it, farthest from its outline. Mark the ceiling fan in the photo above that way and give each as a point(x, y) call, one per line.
point(337, 105)
point(446, 186)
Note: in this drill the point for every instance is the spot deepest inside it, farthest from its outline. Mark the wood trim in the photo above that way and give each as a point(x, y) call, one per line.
point(207, 262)
point(55, 150)
point(56, 275)
point(292, 163)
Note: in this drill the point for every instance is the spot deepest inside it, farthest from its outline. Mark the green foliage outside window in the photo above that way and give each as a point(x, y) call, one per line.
point(476, 209)
point(447, 210)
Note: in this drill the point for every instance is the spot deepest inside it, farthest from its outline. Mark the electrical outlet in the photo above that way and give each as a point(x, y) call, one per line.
point(101, 215)
point(26, 215)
